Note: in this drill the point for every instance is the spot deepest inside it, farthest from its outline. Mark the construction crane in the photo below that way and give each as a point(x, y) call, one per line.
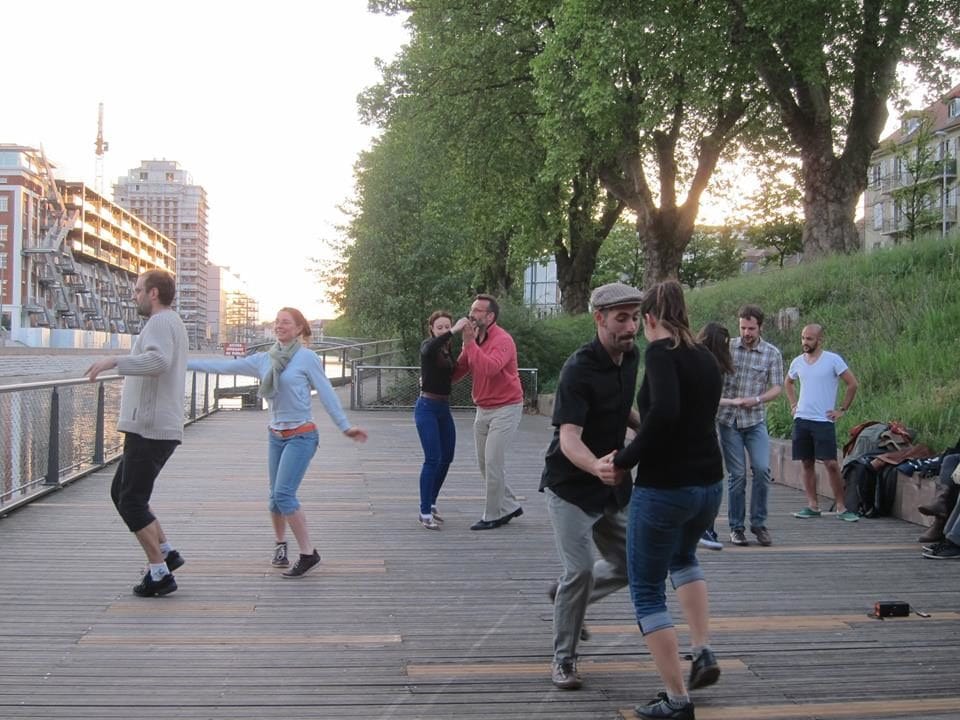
point(102, 146)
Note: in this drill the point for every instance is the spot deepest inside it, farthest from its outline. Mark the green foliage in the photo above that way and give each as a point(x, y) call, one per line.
point(712, 255)
point(620, 258)
point(784, 236)
point(893, 315)
point(918, 190)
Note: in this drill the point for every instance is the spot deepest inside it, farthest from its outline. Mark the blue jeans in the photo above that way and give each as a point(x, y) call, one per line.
point(438, 436)
point(662, 535)
point(287, 462)
point(755, 441)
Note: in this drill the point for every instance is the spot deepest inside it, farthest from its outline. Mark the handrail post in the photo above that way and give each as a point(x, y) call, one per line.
point(353, 385)
point(98, 438)
point(193, 396)
point(53, 447)
point(206, 393)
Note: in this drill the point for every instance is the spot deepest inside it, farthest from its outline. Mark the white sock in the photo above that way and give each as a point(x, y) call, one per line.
point(158, 571)
point(165, 547)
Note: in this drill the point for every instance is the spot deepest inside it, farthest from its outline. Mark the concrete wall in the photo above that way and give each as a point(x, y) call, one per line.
point(911, 490)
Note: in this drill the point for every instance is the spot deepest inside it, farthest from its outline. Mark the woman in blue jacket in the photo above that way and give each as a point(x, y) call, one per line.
point(287, 372)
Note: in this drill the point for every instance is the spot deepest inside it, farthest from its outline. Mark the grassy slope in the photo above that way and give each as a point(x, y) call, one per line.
point(893, 315)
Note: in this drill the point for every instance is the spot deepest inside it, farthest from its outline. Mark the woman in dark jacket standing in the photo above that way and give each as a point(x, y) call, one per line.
point(438, 434)
point(676, 495)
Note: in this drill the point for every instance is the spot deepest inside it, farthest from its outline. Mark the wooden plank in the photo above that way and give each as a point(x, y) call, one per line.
point(406, 623)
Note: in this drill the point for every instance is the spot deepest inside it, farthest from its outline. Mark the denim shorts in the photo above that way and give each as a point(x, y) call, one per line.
point(814, 440)
point(665, 526)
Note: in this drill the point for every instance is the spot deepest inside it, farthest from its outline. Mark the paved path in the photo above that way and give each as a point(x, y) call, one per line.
point(400, 622)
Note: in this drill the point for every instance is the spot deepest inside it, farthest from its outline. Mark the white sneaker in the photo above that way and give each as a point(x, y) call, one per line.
point(429, 523)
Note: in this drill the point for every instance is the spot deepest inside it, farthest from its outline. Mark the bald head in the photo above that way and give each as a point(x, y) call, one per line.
point(811, 339)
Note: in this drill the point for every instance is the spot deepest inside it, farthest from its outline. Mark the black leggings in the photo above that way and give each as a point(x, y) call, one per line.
point(142, 461)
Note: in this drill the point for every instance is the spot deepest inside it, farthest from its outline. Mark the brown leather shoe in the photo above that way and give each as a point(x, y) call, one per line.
point(944, 498)
point(934, 533)
point(565, 676)
point(763, 536)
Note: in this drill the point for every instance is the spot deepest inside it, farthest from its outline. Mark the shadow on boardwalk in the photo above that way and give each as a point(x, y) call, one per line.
point(399, 622)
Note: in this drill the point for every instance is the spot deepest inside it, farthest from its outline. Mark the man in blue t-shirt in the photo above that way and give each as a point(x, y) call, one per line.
point(814, 414)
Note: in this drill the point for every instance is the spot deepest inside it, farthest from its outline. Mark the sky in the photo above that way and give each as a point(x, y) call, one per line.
point(257, 101)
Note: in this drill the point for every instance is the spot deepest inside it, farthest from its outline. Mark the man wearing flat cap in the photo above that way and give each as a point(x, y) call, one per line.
point(591, 413)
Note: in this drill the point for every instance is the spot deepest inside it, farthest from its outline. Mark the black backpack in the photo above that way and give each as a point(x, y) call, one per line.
point(868, 492)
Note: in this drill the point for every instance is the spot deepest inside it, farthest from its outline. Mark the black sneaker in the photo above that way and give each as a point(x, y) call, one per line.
point(305, 564)
point(737, 537)
point(149, 587)
point(280, 558)
point(174, 560)
point(704, 670)
point(660, 707)
point(946, 551)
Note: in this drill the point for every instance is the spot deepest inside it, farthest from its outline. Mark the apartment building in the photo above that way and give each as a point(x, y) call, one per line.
point(69, 258)
point(233, 314)
point(164, 195)
point(912, 187)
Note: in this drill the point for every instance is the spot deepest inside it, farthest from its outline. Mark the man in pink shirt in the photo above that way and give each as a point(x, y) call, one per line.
point(490, 356)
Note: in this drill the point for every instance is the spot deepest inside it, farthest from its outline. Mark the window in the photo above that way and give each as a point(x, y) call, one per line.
point(953, 108)
point(143, 176)
point(878, 216)
point(875, 174)
point(4, 202)
point(3, 235)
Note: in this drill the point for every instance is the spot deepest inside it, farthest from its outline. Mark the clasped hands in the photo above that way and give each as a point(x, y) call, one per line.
point(608, 473)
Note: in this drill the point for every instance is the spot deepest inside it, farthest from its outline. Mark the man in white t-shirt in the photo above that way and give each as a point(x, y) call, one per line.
point(814, 414)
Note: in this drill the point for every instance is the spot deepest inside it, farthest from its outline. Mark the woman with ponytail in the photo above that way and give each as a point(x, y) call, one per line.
point(676, 495)
point(287, 372)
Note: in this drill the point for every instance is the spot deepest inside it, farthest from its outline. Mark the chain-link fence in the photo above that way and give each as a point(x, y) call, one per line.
point(379, 387)
point(56, 432)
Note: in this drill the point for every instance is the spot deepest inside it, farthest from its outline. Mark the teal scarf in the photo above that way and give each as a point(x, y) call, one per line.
point(280, 357)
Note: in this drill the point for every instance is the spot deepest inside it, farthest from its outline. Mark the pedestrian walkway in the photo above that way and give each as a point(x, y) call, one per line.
point(401, 622)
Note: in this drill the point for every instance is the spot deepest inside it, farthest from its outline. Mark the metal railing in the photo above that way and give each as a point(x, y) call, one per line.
point(56, 432)
point(396, 387)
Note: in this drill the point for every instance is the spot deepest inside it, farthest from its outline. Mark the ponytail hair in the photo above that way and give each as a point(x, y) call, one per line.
point(664, 301)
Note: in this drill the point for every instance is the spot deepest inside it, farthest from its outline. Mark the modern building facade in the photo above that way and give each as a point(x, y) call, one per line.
point(232, 312)
point(69, 258)
point(165, 196)
point(912, 184)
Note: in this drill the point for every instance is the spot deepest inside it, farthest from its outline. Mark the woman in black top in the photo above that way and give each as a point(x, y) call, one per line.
point(438, 434)
point(676, 494)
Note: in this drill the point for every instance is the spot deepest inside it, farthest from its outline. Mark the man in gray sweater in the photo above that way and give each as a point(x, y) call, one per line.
point(151, 418)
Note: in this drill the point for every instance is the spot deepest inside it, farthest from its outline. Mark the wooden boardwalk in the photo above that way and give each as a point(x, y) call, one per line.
point(399, 622)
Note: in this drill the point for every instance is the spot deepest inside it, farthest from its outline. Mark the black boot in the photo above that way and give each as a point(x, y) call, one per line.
point(934, 533)
point(943, 501)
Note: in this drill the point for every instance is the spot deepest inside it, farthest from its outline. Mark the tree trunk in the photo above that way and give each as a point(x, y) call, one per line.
point(663, 246)
point(586, 232)
point(831, 191)
point(573, 277)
